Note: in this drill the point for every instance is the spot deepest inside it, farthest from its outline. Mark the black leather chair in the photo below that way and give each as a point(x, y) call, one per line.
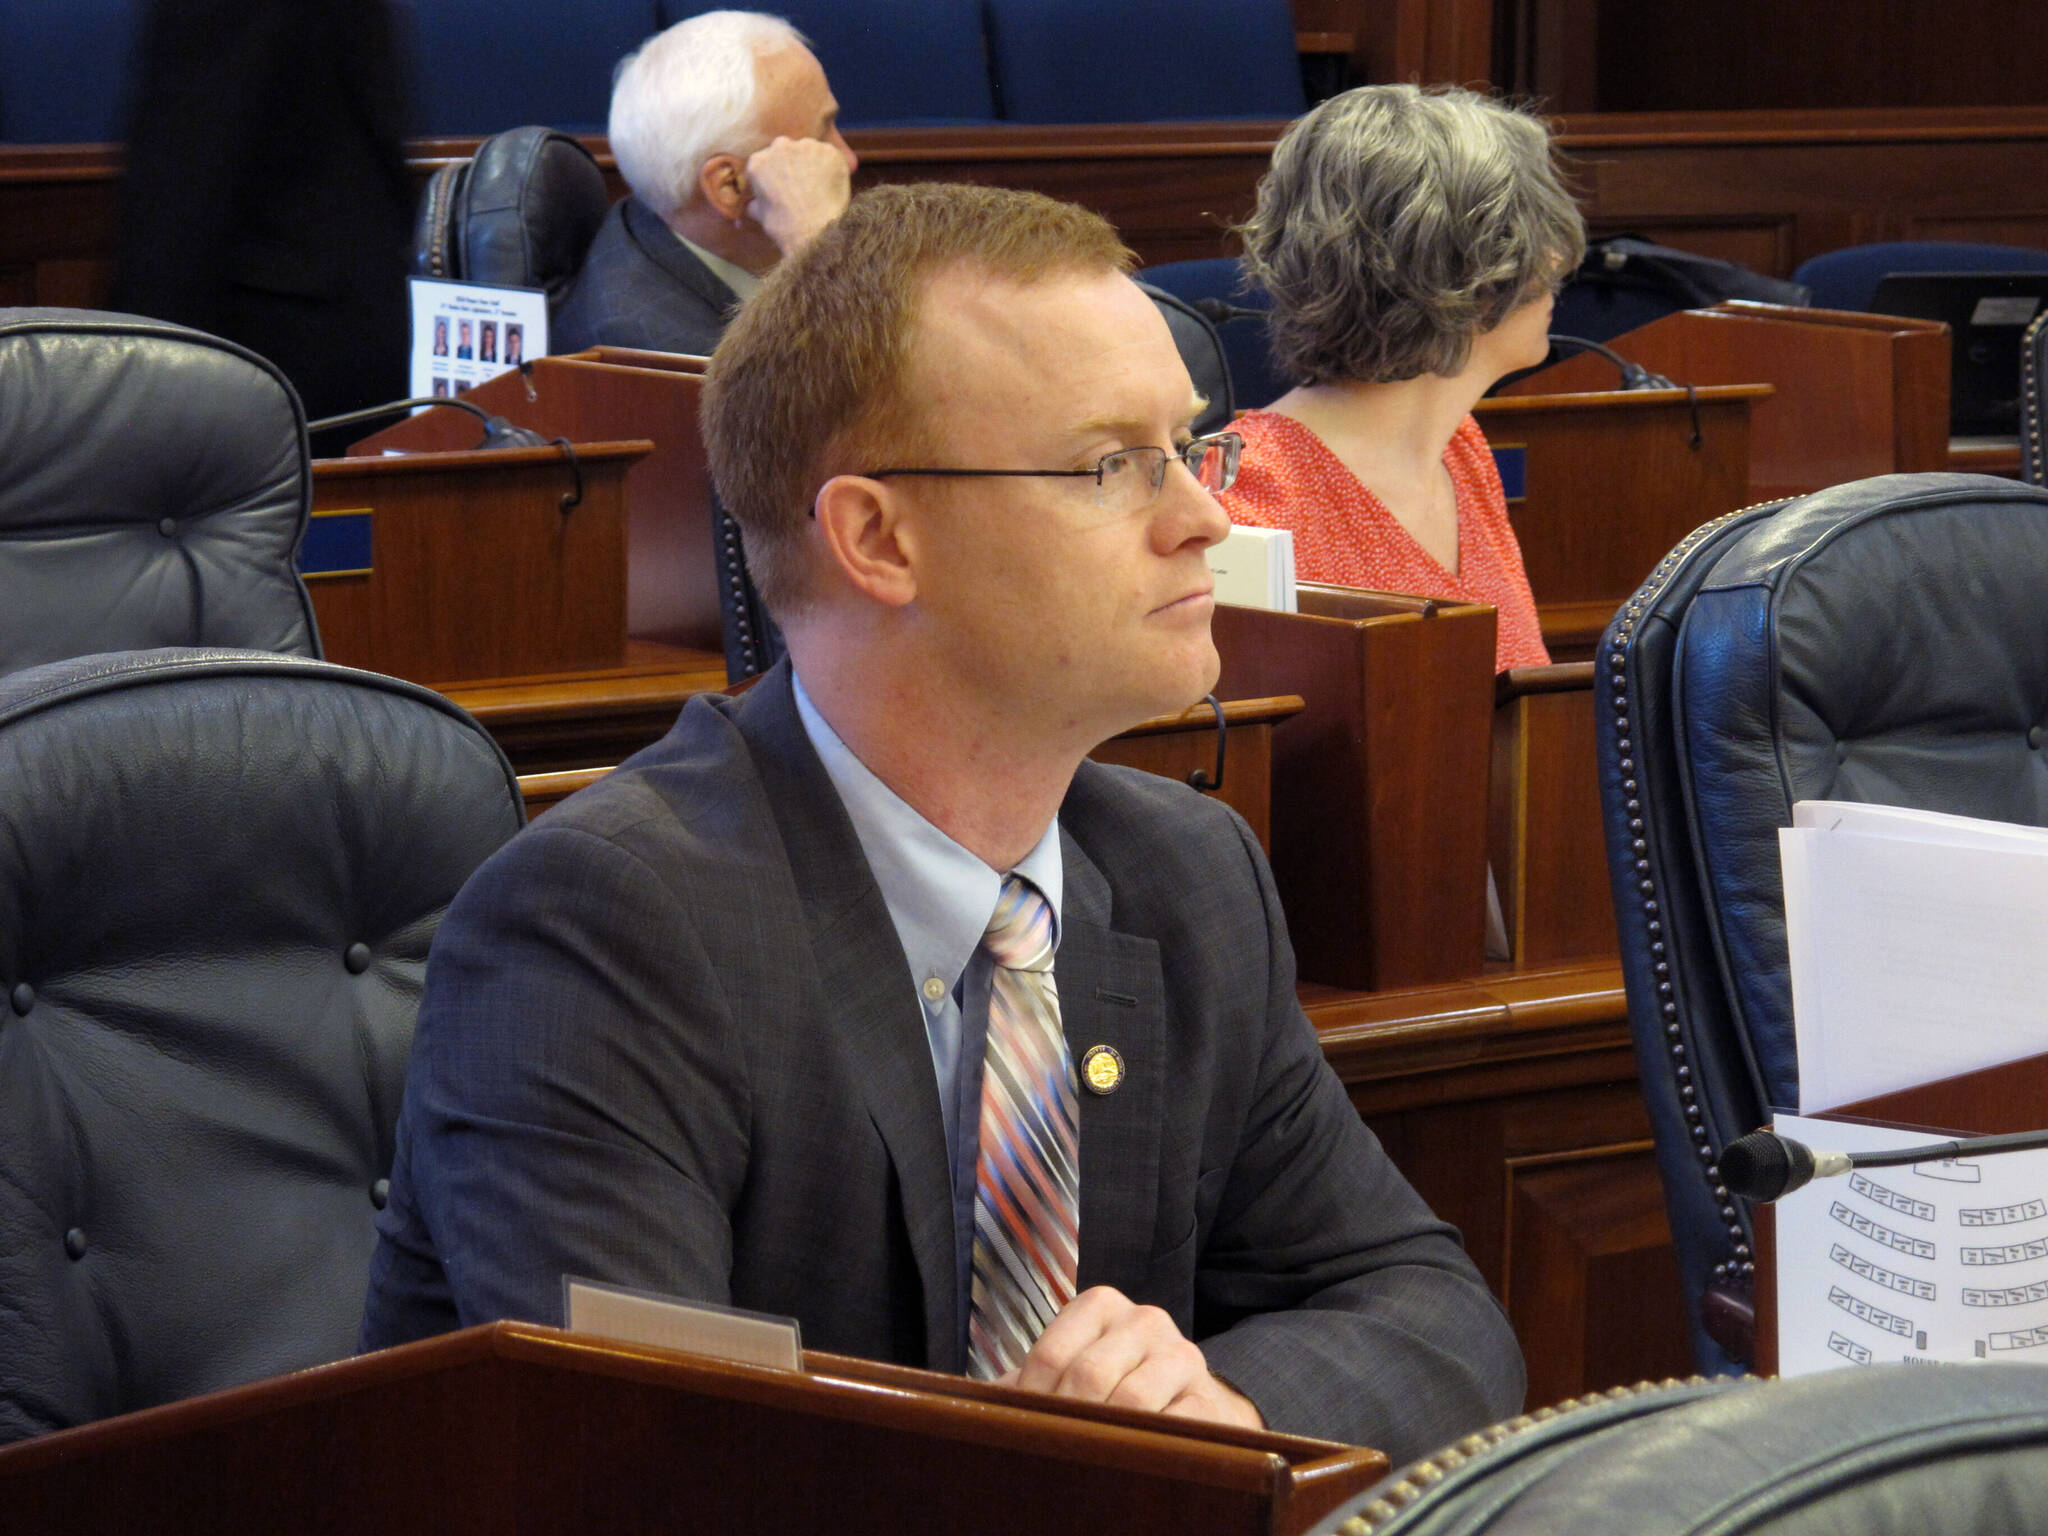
point(153, 491)
point(1882, 641)
point(219, 875)
point(521, 212)
point(1935, 1450)
point(2033, 423)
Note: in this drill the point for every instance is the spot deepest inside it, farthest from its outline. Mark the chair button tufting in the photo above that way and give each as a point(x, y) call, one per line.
point(23, 998)
point(2035, 737)
point(380, 1193)
point(167, 526)
point(357, 958)
point(74, 1242)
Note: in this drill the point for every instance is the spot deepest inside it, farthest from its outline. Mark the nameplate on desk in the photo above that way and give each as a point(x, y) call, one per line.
point(700, 1328)
point(337, 543)
point(1512, 460)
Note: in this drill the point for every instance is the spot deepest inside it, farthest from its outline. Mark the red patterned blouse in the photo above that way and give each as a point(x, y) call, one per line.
point(1344, 534)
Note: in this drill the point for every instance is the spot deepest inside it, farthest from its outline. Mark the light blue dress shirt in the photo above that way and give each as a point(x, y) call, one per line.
point(940, 898)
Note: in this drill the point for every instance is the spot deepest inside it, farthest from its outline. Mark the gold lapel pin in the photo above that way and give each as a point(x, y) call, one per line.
point(1102, 1069)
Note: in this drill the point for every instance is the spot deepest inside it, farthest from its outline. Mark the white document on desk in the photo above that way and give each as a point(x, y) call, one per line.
point(1918, 946)
point(1932, 1261)
point(1254, 568)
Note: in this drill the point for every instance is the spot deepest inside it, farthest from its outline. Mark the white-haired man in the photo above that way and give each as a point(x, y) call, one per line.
point(726, 130)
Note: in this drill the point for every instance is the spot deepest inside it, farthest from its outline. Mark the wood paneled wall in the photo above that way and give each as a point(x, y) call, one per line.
point(1765, 188)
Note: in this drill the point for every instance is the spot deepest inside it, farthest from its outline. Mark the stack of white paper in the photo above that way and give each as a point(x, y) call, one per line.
point(1919, 946)
point(1254, 568)
point(1919, 949)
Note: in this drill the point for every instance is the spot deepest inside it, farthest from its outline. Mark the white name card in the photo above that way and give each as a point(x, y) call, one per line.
point(698, 1327)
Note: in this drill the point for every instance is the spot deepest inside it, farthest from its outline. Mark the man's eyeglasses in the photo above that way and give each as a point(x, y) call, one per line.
point(1128, 480)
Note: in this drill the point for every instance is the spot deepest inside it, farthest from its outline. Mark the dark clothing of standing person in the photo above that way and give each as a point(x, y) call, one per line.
point(266, 196)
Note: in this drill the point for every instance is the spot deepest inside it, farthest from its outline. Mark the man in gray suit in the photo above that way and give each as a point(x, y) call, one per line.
point(716, 1026)
point(726, 131)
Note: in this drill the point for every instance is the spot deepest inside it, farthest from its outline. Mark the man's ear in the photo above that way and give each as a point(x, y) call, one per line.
point(864, 529)
point(723, 182)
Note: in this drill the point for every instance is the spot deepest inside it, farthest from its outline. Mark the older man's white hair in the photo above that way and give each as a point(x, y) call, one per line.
point(687, 94)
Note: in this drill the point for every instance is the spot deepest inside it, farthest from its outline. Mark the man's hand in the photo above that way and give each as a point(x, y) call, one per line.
point(1105, 1348)
point(798, 187)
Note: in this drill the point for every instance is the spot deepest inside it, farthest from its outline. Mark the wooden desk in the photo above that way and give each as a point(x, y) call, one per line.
point(514, 1428)
point(1172, 746)
point(477, 567)
point(1609, 481)
point(1854, 395)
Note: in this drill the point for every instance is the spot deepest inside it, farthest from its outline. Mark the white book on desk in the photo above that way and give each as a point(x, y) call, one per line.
point(1918, 945)
point(1254, 568)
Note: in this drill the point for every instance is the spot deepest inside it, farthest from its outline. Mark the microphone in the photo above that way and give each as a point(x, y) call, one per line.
point(1222, 312)
point(1764, 1166)
point(1633, 375)
point(498, 432)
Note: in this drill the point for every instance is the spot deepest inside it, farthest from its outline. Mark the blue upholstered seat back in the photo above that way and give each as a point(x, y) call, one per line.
point(1134, 61)
point(891, 62)
point(64, 67)
point(482, 66)
point(1848, 278)
point(1253, 378)
point(1883, 641)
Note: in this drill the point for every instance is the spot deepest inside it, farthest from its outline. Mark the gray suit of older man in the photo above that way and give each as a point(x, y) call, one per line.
point(670, 1040)
point(642, 287)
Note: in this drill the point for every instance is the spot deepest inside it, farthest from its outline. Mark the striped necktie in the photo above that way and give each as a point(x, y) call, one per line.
point(1027, 1178)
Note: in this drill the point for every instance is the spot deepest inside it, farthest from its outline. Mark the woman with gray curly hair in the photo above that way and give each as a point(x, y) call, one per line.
point(1412, 241)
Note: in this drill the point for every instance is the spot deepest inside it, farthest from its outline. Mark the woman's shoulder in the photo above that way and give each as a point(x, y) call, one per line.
point(1286, 473)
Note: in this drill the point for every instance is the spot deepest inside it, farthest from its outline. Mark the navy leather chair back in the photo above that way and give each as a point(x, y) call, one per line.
point(1848, 278)
point(153, 491)
point(219, 875)
point(1937, 1451)
point(1135, 61)
point(1254, 380)
point(521, 212)
point(1879, 641)
point(2033, 418)
point(892, 63)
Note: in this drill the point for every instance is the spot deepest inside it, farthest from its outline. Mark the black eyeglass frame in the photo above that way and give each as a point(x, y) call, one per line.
point(1190, 455)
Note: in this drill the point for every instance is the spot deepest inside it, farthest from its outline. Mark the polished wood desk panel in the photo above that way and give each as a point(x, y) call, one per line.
point(601, 396)
point(514, 1428)
point(1172, 746)
point(479, 567)
point(1855, 395)
point(1510, 1100)
point(1379, 785)
point(1545, 839)
point(1612, 480)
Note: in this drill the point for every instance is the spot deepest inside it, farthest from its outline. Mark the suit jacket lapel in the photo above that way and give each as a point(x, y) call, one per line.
point(661, 246)
point(865, 989)
point(1112, 993)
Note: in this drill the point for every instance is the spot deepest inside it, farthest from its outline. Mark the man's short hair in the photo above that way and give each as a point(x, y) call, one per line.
point(1396, 224)
point(809, 379)
point(687, 94)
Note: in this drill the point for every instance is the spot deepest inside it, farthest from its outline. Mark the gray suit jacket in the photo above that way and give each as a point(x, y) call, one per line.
point(670, 1040)
point(641, 287)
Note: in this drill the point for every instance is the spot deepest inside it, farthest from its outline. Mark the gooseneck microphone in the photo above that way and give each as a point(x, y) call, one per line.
point(1764, 1166)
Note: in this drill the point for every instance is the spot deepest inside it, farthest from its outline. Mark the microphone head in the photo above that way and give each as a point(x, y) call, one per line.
point(1763, 1166)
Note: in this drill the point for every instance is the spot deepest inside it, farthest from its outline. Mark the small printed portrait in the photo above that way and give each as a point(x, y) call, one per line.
point(465, 339)
point(515, 344)
point(441, 389)
point(487, 342)
point(440, 335)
